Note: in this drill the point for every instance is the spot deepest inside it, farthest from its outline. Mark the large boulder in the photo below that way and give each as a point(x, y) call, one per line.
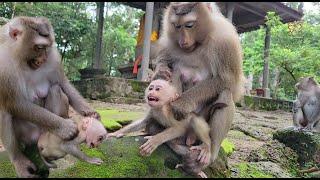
point(305, 144)
point(121, 159)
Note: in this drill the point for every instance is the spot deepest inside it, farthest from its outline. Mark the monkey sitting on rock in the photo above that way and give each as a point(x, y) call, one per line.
point(52, 147)
point(306, 108)
point(158, 96)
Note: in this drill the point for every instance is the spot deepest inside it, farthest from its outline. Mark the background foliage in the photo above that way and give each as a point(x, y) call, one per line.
point(294, 50)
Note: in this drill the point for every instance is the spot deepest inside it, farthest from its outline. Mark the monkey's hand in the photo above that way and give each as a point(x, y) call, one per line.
point(92, 114)
point(181, 107)
point(96, 161)
point(147, 148)
point(204, 155)
point(67, 130)
point(162, 73)
point(116, 134)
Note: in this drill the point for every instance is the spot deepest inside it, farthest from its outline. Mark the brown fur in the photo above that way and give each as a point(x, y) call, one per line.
point(23, 41)
point(207, 52)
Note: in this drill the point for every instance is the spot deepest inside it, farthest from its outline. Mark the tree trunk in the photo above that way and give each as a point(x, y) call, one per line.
point(97, 62)
point(266, 57)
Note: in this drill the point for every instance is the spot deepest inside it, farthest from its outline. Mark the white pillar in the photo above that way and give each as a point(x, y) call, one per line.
point(143, 72)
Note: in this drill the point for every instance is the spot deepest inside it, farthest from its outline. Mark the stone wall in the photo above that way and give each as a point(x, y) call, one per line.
point(256, 102)
point(112, 89)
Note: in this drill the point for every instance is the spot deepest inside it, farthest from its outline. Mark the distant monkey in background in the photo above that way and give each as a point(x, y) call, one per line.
point(306, 108)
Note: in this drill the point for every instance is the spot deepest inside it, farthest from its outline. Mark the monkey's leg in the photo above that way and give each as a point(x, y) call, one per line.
point(220, 123)
point(168, 134)
point(73, 149)
point(201, 129)
point(64, 128)
point(23, 166)
point(57, 102)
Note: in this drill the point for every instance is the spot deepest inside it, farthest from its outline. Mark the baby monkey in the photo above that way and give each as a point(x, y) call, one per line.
point(52, 147)
point(158, 95)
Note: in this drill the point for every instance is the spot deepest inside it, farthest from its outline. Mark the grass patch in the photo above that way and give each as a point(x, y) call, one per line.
point(228, 147)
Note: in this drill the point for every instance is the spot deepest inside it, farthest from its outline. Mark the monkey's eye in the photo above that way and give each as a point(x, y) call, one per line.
point(157, 88)
point(176, 26)
point(189, 24)
point(100, 138)
point(150, 88)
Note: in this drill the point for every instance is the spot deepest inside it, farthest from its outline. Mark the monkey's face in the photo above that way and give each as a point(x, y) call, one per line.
point(306, 83)
point(34, 39)
point(95, 133)
point(185, 25)
point(159, 93)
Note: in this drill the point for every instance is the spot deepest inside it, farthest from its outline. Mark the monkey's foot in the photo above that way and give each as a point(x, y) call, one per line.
point(204, 155)
point(97, 161)
point(147, 148)
point(24, 167)
point(67, 130)
point(202, 174)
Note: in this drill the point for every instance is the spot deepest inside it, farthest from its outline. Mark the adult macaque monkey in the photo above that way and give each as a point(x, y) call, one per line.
point(29, 66)
point(204, 47)
point(306, 108)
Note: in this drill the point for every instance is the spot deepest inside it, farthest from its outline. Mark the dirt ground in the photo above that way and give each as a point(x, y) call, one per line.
point(250, 129)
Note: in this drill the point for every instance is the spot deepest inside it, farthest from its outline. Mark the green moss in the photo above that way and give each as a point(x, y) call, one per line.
point(246, 170)
point(121, 159)
point(138, 86)
point(228, 147)
point(114, 119)
point(111, 124)
point(6, 168)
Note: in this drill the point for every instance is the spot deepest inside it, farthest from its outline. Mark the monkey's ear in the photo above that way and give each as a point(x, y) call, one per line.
point(311, 79)
point(14, 32)
point(85, 124)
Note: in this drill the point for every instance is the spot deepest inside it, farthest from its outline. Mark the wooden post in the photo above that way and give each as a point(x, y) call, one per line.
point(97, 62)
point(230, 8)
point(266, 60)
point(143, 72)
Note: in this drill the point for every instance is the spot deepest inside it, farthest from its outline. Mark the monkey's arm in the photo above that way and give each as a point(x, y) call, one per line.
point(134, 126)
point(64, 128)
point(77, 101)
point(71, 148)
point(198, 94)
point(164, 66)
point(168, 134)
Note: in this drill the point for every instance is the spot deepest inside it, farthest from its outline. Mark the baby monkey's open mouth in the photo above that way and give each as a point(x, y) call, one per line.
point(152, 98)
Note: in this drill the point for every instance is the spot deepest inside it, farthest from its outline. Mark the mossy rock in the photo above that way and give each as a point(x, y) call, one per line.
point(114, 119)
point(258, 170)
point(305, 144)
point(121, 159)
point(278, 153)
